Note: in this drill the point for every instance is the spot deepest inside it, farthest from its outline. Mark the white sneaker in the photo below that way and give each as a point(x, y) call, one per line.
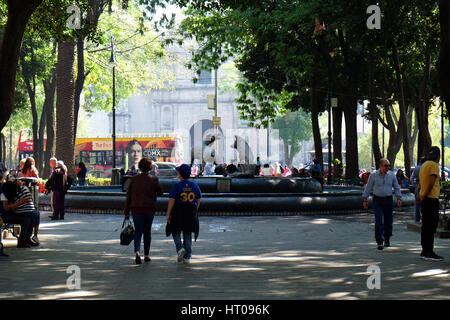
point(35, 239)
point(181, 253)
point(187, 261)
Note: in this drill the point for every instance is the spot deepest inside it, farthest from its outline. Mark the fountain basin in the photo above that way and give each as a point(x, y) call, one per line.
point(254, 196)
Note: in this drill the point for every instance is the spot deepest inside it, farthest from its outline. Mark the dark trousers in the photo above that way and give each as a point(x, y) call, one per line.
point(25, 221)
point(58, 203)
point(143, 226)
point(383, 218)
point(430, 220)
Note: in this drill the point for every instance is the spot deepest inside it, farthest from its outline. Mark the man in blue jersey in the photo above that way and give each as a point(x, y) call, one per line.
point(182, 212)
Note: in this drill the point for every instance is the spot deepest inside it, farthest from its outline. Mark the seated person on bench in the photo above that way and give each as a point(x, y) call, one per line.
point(19, 209)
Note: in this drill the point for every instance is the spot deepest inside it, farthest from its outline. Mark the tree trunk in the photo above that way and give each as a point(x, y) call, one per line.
point(394, 129)
point(373, 115)
point(40, 145)
point(19, 12)
point(287, 159)
point(97, 7)
point(337, 140)
point(351, 139)
point(2, 149)
point(414, 134)
point(444, 53)
point(373, 110)
point(49, 89)
point(81, 77)
point(29, 78)
point(65, 90)
point(422, 109)
point(315, 124)
point(401, 98)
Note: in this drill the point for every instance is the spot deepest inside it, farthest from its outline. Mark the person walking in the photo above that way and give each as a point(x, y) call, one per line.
point(414, 179)
point(58, 185)
point(81, 174)
point(257, 167)
point(142, 192)
point(380, 184)
point(429, 190)
point(316, 171)
point(182, 213)
point(52, 165)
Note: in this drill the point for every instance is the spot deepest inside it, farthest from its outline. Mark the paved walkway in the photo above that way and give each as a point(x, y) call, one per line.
point(304, 257)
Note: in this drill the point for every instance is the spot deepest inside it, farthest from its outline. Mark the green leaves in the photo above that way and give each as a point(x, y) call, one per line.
point(142, 63)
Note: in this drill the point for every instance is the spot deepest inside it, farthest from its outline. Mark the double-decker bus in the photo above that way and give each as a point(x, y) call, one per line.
point(96, 153)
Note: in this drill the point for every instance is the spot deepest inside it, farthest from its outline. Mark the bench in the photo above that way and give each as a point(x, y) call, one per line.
point(445, 198)
point(5, 226)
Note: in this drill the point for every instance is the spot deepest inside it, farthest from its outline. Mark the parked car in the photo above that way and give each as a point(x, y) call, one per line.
point(166, 170)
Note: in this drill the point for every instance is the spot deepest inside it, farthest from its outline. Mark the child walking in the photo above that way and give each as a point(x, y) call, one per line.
point(182, 213)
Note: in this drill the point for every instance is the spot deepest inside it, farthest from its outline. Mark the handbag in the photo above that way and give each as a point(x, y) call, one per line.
point(127, 234)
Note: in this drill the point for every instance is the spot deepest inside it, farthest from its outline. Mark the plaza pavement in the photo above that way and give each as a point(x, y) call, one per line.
point(292, 257)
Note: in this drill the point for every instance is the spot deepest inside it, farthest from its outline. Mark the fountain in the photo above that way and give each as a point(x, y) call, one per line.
point(234, 196)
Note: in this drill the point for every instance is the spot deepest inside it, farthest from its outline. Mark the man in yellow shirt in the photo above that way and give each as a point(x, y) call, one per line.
point(428, 197)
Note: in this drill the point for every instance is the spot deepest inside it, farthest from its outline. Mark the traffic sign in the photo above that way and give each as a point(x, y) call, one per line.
point(216, 120)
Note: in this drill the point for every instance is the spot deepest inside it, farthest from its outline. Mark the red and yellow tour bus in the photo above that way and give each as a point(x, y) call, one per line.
point(96, 153)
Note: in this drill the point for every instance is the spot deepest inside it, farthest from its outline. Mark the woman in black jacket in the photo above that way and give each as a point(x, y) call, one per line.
point(81, 173)
point(58, 184)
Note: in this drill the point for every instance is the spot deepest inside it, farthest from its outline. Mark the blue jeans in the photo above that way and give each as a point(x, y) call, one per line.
point(383, 218)
point(187, 243)
point(35, 217)
point(143, 226)
point(417, 212)
point(416, 208)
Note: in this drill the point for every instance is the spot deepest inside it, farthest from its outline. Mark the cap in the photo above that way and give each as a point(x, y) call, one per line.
point(184, 170)
point(433, 153)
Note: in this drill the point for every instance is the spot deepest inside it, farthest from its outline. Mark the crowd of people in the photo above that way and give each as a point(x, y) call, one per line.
point(20, 196)
point(403, 181)
point(19, 201)
point(424, 183)
point(267, 170)
point(182, 219)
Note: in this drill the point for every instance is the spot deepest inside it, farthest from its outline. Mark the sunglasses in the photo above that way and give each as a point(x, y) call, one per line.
point(387, 165)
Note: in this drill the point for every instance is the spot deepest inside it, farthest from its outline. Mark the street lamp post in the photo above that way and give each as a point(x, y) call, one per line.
point(329, 178)
point(442, 143)
point(112, 62)
point(329, 141)
point(10, 148)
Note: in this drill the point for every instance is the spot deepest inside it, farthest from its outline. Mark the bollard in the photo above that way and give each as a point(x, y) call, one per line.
point(115, 176)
